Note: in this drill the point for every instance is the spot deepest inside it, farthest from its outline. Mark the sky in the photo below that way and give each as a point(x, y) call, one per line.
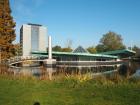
point(82, 21)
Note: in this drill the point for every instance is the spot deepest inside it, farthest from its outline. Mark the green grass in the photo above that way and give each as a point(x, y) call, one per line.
point(67, 91)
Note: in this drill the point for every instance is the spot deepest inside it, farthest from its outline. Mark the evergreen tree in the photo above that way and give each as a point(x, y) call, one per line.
point(7, 31)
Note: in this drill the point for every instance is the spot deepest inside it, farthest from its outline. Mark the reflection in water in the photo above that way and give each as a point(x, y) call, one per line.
point(50, 72)
point(35, 71)
point(134, 66)
point(41, 71)
point(137, 74)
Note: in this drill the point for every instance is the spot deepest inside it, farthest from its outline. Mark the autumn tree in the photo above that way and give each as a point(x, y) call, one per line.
point(57, 48)
point(60, 49)
point(68, 46)
point(69, 43)
point(17, 50)
point(92, 49)
point(101, 48)
point(7, 31)
point(137, 49)
point(110, 41)
point(67, 49)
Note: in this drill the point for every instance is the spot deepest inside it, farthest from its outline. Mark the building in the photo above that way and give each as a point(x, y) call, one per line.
point(33, 37)
point(122, 54)
point(81, 59)
point(33, 41)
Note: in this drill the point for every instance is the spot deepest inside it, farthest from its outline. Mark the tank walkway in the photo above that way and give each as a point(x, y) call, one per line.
point(17, 60)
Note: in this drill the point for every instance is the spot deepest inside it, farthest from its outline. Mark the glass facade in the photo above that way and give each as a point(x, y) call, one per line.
point(21, 40)
point(80, 49)
point(34, 38)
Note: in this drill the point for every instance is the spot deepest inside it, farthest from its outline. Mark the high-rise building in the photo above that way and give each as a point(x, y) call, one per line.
point(33, 37)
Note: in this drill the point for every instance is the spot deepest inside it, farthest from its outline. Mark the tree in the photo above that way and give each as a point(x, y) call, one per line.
point(17, 50)
point(57, 48)
point(66, 49)
point(60, 49)
point(110, 41)
point(7, 31)
point(92, 49)
point(137, 49)
point(68, 43)
point(100, 48)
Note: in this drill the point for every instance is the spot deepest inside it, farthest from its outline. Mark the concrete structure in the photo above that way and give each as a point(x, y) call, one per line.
point(49, 47)
point(81, 58)
point(33, 37)
point(50, 62)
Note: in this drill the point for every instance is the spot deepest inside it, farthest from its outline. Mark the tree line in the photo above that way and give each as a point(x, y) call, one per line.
point(109, 41)
point(7, 31)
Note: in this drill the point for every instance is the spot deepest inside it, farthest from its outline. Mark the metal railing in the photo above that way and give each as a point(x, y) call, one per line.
point(88, 63)
point(20, 59)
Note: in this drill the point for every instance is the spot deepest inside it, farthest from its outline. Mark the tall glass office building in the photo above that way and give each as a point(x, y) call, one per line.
point(33, 37)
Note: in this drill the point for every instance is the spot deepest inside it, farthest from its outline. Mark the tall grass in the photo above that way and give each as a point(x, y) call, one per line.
point(68, 89)
point(63, 75)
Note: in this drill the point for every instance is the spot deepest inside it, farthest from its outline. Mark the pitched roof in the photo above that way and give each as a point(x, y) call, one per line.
point(80, 49)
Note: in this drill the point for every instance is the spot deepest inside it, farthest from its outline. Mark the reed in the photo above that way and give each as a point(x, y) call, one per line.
point(68, 89)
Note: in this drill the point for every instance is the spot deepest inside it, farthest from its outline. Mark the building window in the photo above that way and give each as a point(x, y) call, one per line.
point(34, 38)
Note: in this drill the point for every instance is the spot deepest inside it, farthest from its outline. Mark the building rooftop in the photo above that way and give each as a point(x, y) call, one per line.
point(34, 24)
point(74, 54)
point(80, 49)
point(120, 53)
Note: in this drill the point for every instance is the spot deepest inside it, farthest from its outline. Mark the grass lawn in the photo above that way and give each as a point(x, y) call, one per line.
point(15, 91)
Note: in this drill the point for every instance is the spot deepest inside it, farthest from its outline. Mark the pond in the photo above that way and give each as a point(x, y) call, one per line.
point(136, 74)
point(134, 70)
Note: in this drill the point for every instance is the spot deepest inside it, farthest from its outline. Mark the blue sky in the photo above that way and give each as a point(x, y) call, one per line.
point(82, 21)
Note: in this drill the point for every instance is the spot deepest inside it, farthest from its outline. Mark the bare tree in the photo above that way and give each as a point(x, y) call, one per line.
point(69, 43)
